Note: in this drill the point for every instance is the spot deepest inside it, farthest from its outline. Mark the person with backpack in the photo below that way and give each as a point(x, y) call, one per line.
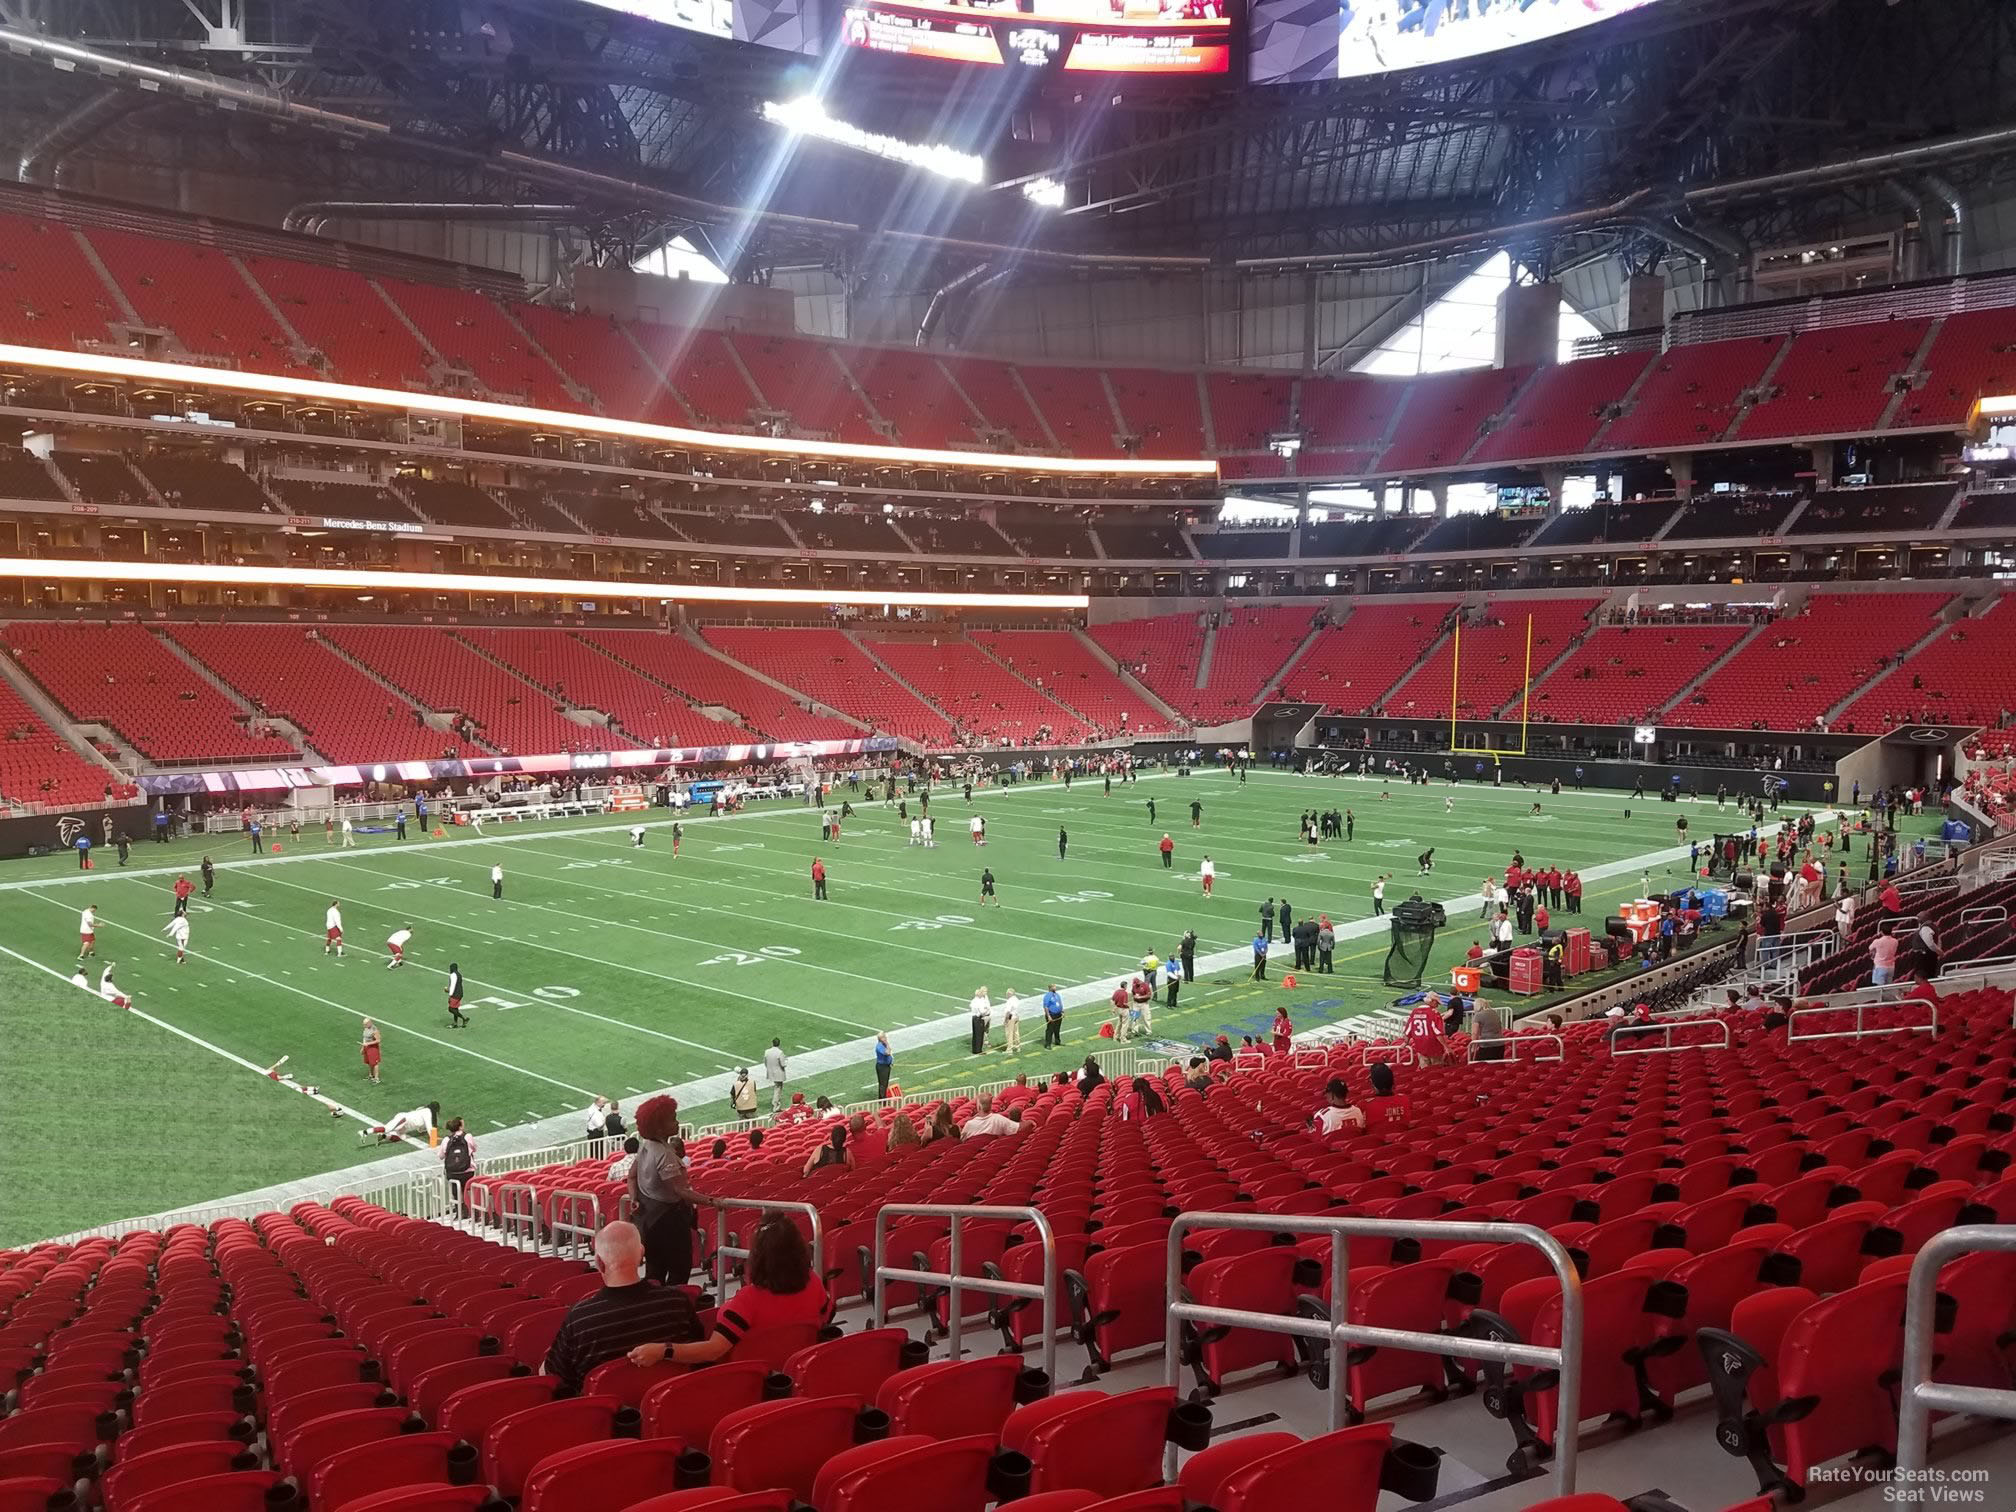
point(458, 1160)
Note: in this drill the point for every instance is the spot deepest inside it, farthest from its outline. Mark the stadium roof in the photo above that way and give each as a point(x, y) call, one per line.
point(1666, 130)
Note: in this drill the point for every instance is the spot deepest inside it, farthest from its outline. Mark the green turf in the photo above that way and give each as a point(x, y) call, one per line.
point(612, 969)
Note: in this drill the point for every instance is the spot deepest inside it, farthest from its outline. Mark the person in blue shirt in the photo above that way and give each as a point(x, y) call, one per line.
point(83, 853)
point(258, 838)
point(885, 1063)
point(1260, 957)
point(1053, 1017)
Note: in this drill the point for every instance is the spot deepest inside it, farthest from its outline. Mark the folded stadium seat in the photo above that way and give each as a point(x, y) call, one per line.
point(284, 1420)
point(948, 1399)
point(1607, 1246)
point(1345, 1470)
point(911, 1473)
point(1708, 1225)
point(302, 1371)
point(530, 1337)
point(1831, 1253)
point(854, 1364)
point(1616, 1336)
point(616, 1474)
point(1020, 1319)
point(190, 1428)
point(628, 1383)
point(428, 1392)
point(515, 1444)
point(318, 1438)
point(1262, 1282)
point(234, 1491)
point(429, 1499)
point(981, 1245)
point(772, 1346)
point(418, 1351)
point(410, 1459)
point(1800, 1379)
point(35, 1493)
point(135, 1475)
point(471, 1412)
point(716, 1499)
point(689, 1405)
point(76, 1428)
point(1112, 1444)
point(784, 1443)
point(1118, 1301)
point(1714, 1283)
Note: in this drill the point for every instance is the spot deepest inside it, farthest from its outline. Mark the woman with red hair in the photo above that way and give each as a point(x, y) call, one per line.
point(667, 1205)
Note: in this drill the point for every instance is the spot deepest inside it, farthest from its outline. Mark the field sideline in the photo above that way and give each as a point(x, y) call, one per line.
point(611, 969)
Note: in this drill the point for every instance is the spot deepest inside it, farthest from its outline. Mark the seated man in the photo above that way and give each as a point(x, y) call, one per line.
point(626, 1312)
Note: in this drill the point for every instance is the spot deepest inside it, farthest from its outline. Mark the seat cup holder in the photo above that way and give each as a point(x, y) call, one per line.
point(777, 1386)
point(1009, 1474)
point(914, 1352)
point(691, 1471)
point(1031, 1385)
point(871, 1426)
point(1189, 1426)
point(464, 1461)
point(1410, 1470)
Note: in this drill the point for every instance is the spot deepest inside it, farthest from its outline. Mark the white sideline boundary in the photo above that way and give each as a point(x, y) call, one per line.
point(709, 1091)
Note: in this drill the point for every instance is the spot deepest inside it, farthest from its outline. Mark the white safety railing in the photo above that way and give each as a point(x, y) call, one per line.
point(958, 1285)
point(1341, 1334)
point(1987, 913)
point(1919, 1396)
point(1717, 1030)
point(515, 1206)
point(1518, 1043)
point(1863, 1029)
point(598, 1148)
point(1399, 1052)
point(572, 1219)
point(1309, 1060)
point(414, 1194)
point(724, 1251)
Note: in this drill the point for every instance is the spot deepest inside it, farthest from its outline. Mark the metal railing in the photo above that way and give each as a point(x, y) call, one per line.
point(1341, 1334)
point(1666, 1046)
point(1987, 913)
point(1399, 1052)
point(516, 1224)
point(566, 1228)
point(1516, 1041)
point(599, 1147)
point(957, 1285)
point(1919, 1396)
point(724, 1251)
point(1862, 1029)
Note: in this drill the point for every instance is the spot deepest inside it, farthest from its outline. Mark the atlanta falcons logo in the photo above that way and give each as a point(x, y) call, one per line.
point(67, 831)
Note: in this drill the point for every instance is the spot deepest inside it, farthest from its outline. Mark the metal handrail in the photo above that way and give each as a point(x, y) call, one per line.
point(575, 1236)
point(1919, 1396)
point(1975, 964)
point(1985, 913)
point(477, 1206)
point(1340, 1333)
point(1860, 1031)
point(1400, 1052)
point(1516, 1040)
point(1666, 1029)
point(958, 1284)
point(724, 1251)
point(1309, 1060)
point(509, 1218)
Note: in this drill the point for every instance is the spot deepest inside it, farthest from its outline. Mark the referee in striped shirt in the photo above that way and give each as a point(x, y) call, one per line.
point(626, 1312)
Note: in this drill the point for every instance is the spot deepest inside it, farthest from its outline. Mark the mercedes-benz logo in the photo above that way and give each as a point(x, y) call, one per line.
point(1929, 735)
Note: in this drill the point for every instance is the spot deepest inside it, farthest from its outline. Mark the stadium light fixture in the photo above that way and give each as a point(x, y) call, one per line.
point(350, 395)
point(386, 581)
point(807, 117)
point(1046, 192)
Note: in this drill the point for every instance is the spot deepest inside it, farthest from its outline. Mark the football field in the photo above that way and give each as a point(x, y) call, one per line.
point(615, 969)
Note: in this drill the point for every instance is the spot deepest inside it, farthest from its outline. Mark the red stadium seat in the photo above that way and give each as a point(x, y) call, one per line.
point(615, 1474)
point(515, 1444)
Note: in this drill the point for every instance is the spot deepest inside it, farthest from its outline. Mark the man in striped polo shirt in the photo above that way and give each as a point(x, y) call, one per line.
point(626, 1312)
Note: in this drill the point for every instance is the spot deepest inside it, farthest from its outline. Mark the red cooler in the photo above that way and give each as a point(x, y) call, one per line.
point(1575, 952)
point(1525, 973)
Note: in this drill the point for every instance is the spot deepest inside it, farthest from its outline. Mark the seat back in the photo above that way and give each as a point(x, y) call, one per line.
point(1091, 1441)
point(949, 1399)
point(689, 1405)
point(781, 1443)
point(910, 1473)
point(135, 1475)
point(234, 1491)
point(471, 1412)
point(517, 1442)
point(615, 1474)
point(411, 1459)
point(854, 1364)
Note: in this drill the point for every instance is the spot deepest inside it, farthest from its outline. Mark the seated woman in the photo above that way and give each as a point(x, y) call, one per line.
point(1337, 1111)
point(833, 1152)
point(780, 1290)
